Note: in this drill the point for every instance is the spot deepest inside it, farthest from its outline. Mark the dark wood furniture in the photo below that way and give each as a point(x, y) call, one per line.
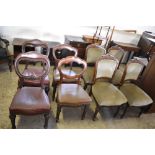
point(4, 53)
point(69, 94)
point(147, 44)
point(18, 42)
point(40, 47)
point(79, 43)
point(148, 81)
point(31, 100)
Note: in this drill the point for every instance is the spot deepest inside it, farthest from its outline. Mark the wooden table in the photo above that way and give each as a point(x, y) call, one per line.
point(128, 47)
point(18, 42)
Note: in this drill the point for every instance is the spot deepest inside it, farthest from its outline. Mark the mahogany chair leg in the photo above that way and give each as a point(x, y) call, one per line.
point(46, 116)
point(125, 110)
point(95, 114)
point(84, 112)
point(58, 113)
point(117, 111)
point(13, 118)
point(54, 91)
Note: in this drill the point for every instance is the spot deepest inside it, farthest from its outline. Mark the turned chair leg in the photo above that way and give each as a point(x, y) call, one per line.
point(10, 64)
point(125, 110)
point(47, 90)
point(84, 112)
point(95, 114)
point(58, 113)
point(54, 91)
point(117, 111)
point(46, 116)
point(13, 118)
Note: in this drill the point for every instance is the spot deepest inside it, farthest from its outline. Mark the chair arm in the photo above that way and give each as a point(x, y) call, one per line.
point(5, 41)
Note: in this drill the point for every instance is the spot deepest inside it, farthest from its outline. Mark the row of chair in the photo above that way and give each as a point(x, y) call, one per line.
point(31, 98)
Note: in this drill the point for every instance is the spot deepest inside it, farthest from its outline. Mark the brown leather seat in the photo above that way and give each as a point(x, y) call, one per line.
point(59, 52)
point(40, 47)
point(71, 95)
point(31, 100)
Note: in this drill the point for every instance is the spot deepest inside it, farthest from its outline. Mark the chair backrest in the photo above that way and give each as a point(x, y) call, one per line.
point(69, 60)
point(39, 46)
point(33, 56)
point(63, 51)
point(117, 52)
point(105, 67)
point(93, 53)
point(132, 70)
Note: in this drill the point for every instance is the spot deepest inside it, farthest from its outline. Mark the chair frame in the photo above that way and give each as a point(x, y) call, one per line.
point(68, 60)
point(34, 57)
point(56, 49)
point(143, 109)
point(99, 107)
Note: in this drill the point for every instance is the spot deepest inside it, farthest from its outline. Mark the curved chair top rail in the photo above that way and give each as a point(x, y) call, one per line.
point(33, 56)
point(57, 50)
point(68, 60)
point(107, 72)
point(35, 43)
point(94, 46)
point(134, 72)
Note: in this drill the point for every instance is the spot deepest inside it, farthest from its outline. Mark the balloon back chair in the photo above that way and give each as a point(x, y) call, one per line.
point(93, 53)
point(103, 91)
point(71, 94)
point(31, 100)
point(59, 52)
point(135, 95)
point(40, 47)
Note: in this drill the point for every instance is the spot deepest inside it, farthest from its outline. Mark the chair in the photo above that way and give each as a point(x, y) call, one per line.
point(31, 100)
point(103, 91)
point(118, 53)
point(42, 48)
point(4, 52)
point(59, 52)
point(93, 53)
point(71, 94)
point(135, 95)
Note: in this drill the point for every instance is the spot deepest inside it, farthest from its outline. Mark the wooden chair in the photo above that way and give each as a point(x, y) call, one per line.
point(71, 94)
point(135, 95)
point(59, 52)
point(93, 53)
point(39, 47)
point(103, 91)
point(4, 53)
point(31, 100)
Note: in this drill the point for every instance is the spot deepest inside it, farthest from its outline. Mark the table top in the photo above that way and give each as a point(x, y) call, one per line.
point(128, 46)
point(20, 41)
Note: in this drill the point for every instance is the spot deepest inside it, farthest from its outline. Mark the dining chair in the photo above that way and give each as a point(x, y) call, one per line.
point(135, 95)
point(71, 94)
point(59, 52)
point(40, 47)
point(93, 53)
point(31, 100)
point(103, 91)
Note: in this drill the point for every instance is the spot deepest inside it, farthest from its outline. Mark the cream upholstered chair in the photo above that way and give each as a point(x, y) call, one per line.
point(59, 52)
point(71, 94)
point(118, 53)
point(93, 53)
point(103, 91)
point(135, 95)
